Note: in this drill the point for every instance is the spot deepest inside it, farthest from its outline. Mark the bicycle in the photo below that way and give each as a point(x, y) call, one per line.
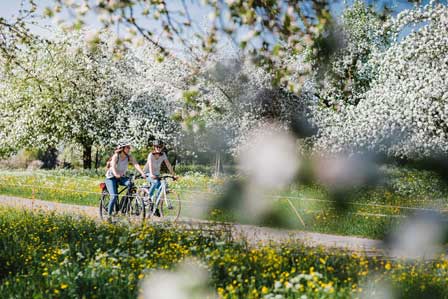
point(128, 204)
point(167, 202)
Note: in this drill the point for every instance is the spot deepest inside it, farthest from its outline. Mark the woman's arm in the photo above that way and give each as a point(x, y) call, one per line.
point(170, 168)
point(137, 166)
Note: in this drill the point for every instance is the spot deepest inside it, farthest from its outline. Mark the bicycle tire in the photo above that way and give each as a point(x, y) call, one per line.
point(136, 207)
point(170, 206)
point(104, 204)
point(143, 195)
point(124, 204)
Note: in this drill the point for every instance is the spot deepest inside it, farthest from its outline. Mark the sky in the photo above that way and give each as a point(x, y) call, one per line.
point(9, 8)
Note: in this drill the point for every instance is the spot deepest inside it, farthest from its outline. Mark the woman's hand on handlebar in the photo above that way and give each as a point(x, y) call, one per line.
point(140, 176)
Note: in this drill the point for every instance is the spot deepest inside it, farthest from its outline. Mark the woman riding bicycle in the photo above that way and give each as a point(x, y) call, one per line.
point(152, 167)
point(116, 170)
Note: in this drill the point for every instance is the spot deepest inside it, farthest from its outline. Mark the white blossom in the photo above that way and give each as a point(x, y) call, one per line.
point(404, 112)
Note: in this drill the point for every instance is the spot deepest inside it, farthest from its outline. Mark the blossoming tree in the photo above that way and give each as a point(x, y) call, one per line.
point(62, 91)
point(404, 112)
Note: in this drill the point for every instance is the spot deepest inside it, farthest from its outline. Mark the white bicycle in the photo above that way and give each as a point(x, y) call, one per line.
point(165, 203)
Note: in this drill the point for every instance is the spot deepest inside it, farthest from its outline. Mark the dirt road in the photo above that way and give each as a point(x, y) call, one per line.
point(253, 234)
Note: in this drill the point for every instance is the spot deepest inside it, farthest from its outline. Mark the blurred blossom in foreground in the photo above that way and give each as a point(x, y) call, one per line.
point(270, 160)
point(270, 157)
point(342, 173)
point(419, 237)
point(375, 288)
point(197, 205)
point(189, 280)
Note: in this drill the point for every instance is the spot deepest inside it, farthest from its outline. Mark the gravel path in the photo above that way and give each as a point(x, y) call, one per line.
point(253, 234)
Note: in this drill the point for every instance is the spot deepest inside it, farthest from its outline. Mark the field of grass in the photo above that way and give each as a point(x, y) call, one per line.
point(53, 256)
point(368, 212)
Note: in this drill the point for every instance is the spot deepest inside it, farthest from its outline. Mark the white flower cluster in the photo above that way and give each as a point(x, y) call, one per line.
point(302, 285)
point(405, 111)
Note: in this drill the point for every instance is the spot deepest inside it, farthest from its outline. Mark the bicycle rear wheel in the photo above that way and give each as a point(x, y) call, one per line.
point(104, 204)
point(170, 206)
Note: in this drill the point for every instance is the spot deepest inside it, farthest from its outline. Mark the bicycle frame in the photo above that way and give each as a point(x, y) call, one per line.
point(162, 191)
point(127, 203)
point(161, 194)
point(119, 202)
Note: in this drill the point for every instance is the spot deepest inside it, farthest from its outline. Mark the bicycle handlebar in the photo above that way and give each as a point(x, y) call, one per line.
point(139, 176)
point(167, 177)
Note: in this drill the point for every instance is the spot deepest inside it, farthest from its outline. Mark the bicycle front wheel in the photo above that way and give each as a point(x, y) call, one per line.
point(136, 207)
point(170, 206)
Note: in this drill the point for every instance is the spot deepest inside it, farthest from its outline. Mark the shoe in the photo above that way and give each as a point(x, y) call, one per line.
point(157, 213)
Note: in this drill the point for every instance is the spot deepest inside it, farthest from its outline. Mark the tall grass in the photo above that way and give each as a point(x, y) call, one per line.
point(51, 256)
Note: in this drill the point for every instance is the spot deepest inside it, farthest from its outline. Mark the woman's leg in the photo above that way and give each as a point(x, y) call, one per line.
point(124, 181)
point(112, 188)
point(155, 184)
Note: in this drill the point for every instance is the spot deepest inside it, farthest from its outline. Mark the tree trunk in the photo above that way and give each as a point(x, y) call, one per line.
point(174, 161)
point(218, 165)
point(97, 158)
point(49, 157)
point(87, 156)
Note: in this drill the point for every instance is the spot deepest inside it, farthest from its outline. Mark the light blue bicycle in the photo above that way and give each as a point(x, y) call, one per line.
point(165, 203)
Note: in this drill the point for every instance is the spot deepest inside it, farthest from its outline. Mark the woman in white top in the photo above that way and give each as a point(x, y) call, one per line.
point(155, 160)
point(116, 171)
